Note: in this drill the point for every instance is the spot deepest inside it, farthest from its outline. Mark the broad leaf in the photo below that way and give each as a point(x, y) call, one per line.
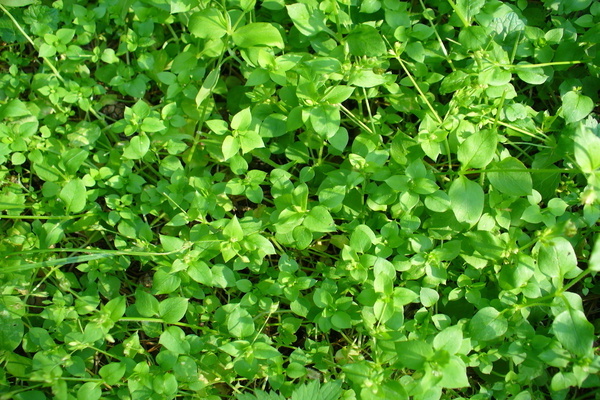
point(478, 149)
point(173, 309)
point(488, 324)
point(576, 106)
point(574, 332)
point(466, 200)
point(258, 34)
point(510, 176)
point(74, 195)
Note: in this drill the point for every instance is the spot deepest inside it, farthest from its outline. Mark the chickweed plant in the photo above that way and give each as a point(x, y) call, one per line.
point(305, 200)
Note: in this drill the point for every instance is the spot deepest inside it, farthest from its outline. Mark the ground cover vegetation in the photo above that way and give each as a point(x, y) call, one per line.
point(319, 200)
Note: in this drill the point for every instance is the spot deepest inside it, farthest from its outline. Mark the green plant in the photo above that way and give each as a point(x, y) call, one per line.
point(329, 200)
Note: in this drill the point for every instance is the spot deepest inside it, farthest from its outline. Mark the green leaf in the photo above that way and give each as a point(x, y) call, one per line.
point(201, 273)
point(137, 148)
point(454, 374)
point(594, 262)
point(556, 257)
point(362, 239)
point(366, 78)
point(469, 8)
point(146, 304)
point(230, 147)
point(112, 373)
point(11, 330)
point(325, 120)
point(89, 391)
point(152, 124)
point(365, 40)
point(240, 323)
point(207, 86)
point(574, 332)
point(429, 296)
point(466, 200)
point(74, 195)
point(233, 230)
point(510, 176)
point(531, 75)
point(302, 237)
point(488, 324)
point(576, 106)
point(413, 353)
point(16, 3)
point(308, 22)
point(450, 339)
point(337, 94)
point(473, 37)
point(478, 150)
point(173, 309)
point(208, 24)
point(341, 320)
point(242, 120)
point(258, 34)
point(14, 109)
point(250, 140)
point(319, 220)
point(587, 149)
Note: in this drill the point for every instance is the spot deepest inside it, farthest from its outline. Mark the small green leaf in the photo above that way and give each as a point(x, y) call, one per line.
point(137, 148)
point(230, 147)
point(556, 257)
point(450, 339)
point(240, 323)
point(576, 106)
point(242, 120)
point(319, 220)
point(337, 94)
point(466, 200)
point(89, 391)
point(429, 296)
point(413, 353)
point(365, 40)
point(325, 120)
point(308, 22)
point(112, 373)
point(341, 320)
point(587, 149)
point(74, 195)
point(173, 309)
point(233, 230)
point(11, 330)
point(574, 332)
point(488, 324)
point(531, 75)
point(152, 124)
point(454, 374)
point(258, 34)
point(478, 150)
point(510, 176)
point(362, 239)
point(16, 3)
point(208, 24)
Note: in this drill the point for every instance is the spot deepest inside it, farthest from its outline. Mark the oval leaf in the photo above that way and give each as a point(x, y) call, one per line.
point(488, 324)
point(510, 176)
point(73, 195)
point(574, 332)
point(171, 310)
point(258, 34)
point(478, 149)
point(466, 199)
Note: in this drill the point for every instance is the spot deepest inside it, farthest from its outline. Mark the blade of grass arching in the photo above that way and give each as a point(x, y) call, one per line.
point(51, 263)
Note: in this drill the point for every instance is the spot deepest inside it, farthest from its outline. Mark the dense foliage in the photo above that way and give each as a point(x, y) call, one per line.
point(314, 200)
